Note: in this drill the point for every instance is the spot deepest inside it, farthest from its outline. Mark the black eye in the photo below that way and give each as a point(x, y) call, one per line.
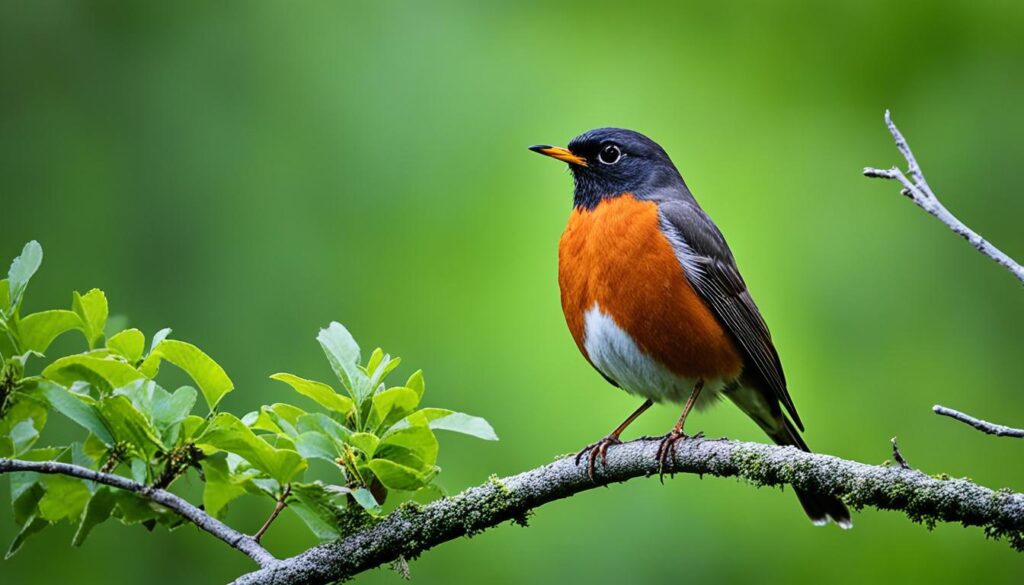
point(610, 154)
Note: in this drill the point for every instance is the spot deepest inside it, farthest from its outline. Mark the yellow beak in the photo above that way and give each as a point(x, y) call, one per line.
point(562, 154)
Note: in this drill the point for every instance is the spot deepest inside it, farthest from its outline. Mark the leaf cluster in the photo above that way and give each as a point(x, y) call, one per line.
point(374, 438)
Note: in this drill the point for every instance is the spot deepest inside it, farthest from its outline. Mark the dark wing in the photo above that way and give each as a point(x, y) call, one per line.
point(712, 270)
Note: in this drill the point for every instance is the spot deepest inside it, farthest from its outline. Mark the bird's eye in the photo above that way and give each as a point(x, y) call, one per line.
point(609, 155)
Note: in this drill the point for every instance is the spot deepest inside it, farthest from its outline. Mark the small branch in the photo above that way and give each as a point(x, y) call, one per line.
point(166, 499)
point(922, 195)
point(899, 456)
point(273, 515)
point(408, 532)
point(983, 426)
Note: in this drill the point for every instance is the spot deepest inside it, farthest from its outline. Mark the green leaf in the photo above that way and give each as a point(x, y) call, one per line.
point(463, 423)
point(321, 423)
point(391, 405)
point(379, 371)
point(21, 271)
point(79, 408)
point(375, 359)
point(424, 416)
point(227, 433)
point(316, 508)
point(99, 508)
point(163, 409)
point(38, 330)
point(414, 447)
point(79, 456)
point(20, 426)
point(395, 476)
point(43, 454)
point(284, 416)
point(220, 487)
point(280, 441)
point(104, 374)
point(317, 445)
point(130, 343)
point(364, 498)
point(65, 497)
point(416, 383)
point(321, 393)
point(134, 509)
point(365, 442)
point(261, 421)
point(192, 426)
point(139, 470)
point(25, 499)
point(212, 380)
point(34, 525)
point(343, 354)
point(130, 425)
point(170, 409)
point(159, 337)
point(92, 309)
point(23, 435)
point(95, 448)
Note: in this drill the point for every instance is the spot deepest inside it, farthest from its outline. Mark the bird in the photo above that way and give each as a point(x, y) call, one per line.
point(655, 301)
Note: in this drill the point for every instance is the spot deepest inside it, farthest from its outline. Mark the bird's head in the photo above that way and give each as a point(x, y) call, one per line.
point(608, 162)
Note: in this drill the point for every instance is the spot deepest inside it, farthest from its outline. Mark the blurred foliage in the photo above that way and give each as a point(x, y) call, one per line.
point(249, 170)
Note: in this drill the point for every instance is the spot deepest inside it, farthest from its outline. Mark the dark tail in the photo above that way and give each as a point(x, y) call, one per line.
point(819, 508)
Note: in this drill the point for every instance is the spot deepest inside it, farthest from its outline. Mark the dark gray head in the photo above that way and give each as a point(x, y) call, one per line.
point(608, 162)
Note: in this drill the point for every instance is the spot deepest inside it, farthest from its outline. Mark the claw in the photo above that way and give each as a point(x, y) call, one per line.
point(665, 448)
point(595, 450)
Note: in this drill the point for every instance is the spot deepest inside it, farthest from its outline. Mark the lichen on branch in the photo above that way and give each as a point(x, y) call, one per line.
point(408, 532)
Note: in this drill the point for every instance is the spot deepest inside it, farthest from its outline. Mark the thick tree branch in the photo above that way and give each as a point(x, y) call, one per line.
point(981, 425)
point(165, 498)
point(921, 194)
point(409, 531)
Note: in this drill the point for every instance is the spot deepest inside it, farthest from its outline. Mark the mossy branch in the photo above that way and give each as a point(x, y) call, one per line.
point(411, 530)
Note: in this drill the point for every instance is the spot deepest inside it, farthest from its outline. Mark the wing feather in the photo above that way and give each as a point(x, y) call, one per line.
point(712, 270)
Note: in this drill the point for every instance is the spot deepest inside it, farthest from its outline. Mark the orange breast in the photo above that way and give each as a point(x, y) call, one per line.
point(616, 256)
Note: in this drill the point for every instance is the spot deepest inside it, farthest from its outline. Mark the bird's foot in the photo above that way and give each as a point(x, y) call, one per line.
point(595, 450)
point(666, 449)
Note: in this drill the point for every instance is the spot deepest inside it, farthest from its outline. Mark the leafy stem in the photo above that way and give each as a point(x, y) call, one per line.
point(379, 437)
point(282, 500)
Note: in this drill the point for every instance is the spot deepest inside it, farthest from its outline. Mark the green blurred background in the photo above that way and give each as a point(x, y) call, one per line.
point(245, 172)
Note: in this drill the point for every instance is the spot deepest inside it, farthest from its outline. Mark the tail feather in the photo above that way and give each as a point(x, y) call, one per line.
point(820, 508)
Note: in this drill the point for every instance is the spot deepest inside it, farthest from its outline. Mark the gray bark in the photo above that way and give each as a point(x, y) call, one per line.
point(922, 195)
point(409, 530)
point(236, 539)
point(982, 425)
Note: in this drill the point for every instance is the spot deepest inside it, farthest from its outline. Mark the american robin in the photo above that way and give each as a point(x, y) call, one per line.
point(655, 302)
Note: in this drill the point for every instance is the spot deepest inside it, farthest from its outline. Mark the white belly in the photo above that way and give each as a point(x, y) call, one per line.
point(614, 353)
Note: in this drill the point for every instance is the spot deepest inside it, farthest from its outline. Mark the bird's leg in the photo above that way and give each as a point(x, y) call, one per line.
point(677, 432)
point(601, 447)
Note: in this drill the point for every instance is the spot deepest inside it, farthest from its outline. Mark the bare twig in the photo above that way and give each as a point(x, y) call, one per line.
point(281, 503)
point(170, 501)
point(407, 532)
point(981, 425)
point(922, 195)
point(899, 456)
